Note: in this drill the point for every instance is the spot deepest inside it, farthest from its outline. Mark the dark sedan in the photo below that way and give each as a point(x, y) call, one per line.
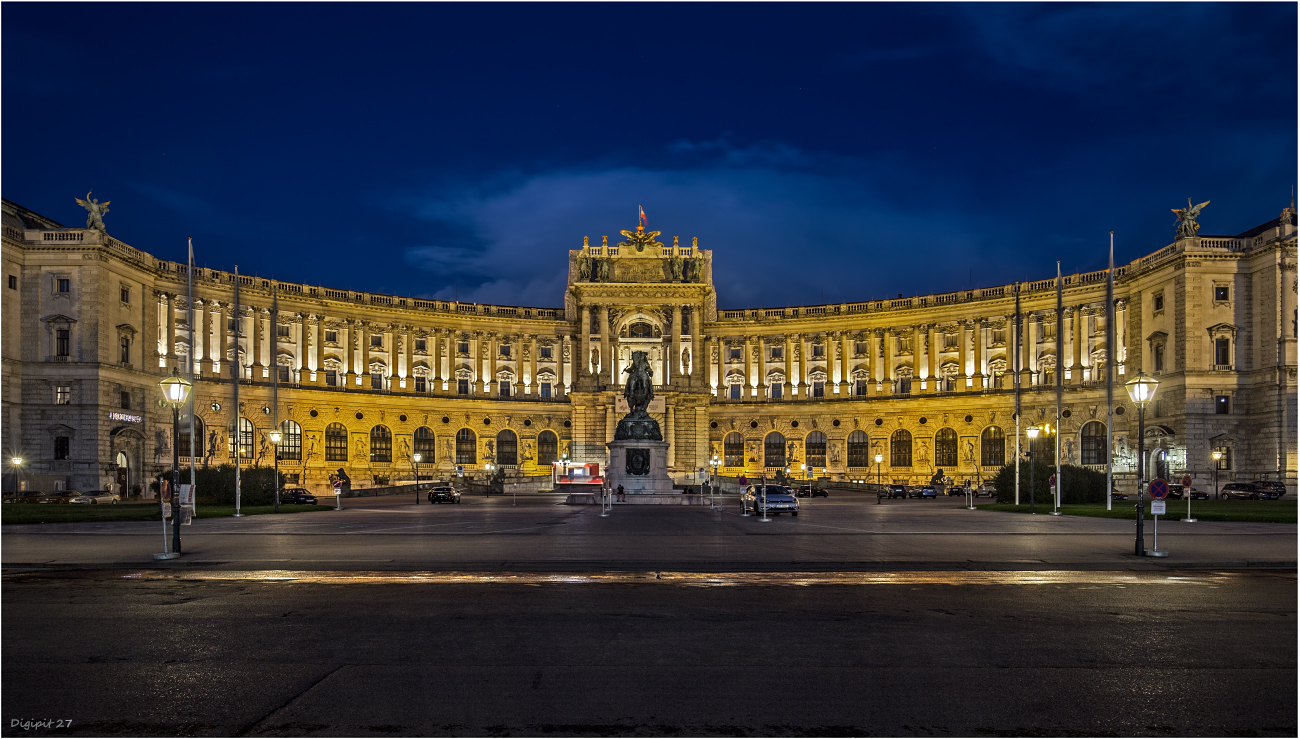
point(809, 491)
point(444, 494)
point(297, 496)
point(896, 491)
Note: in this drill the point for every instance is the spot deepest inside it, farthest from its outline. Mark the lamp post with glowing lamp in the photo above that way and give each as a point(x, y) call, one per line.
point(1216, 455)
point(415, 460)
point(1032, 433)
point(175, 390)
point(1141, 389)
point(275, 435)
point(713, 481)
point(879, 459)
point(17, 462)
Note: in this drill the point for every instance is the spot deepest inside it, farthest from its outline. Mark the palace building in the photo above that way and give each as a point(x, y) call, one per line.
point(365, 380)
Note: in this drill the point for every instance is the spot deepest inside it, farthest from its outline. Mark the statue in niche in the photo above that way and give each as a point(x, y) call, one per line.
point(311, 447)
point(923, 454)
point(359, 449)
point(95, 211)
point(694, 267)
point(1069, 451)
point(675, 267)
point(604, 270)
point(595, 361)
point(1187, 225)
point(584, 266)
point(686, 361)
point(970, 452)
point(160, 446)
point(213, 441)
point(406, 448)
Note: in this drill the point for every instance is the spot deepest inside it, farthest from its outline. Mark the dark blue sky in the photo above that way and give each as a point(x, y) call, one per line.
point(845, 151)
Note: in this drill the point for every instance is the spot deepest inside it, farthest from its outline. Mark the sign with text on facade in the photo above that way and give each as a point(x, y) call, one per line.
point(128, 417)
point(657, 405)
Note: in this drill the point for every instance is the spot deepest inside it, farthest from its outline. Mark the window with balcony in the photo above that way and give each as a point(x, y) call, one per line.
point(1223, 352)
point(331, 378)
point(125, 345)
point(462, 386)
point(546, 389)
point(61, 342)
point(503, 388)
point(774, 390)
point(859, 387)
point(736, 389)
point(420, 384)
point(818, 389)
point(376, 380)
point(282, 373)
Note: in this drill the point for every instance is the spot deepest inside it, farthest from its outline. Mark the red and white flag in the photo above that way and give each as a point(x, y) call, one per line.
point(641, 216)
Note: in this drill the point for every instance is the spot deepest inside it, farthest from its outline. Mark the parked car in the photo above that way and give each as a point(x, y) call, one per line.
point(1242, 490)
point(58, 496)
point(925, 491)
point(1270, 489)
point(1177, 492)
point(444, 494)
point(778, 499)
point(95, 497)
point(810, 491)
point(23, 496)
point(988, 489)
point(896, 491)
point(297, 496)
point(1117, 495)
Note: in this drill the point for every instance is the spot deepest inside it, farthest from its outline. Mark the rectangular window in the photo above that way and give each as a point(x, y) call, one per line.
point(230, 325)
point(1220, 293)
point(546, 389)
point(282, 330)
point(421, 345)
point(332, 337)
point(13, 282)
point(61, 342)
point(377, 340)
point(462, 347)
point(734, 353)
point(819, 390)
point(1225, 458)
point(126, 294)
point(1222, 405)
point(63, 395)
point(778, 353)
point(462, 386)
point(376, 381)
point(735, 391)
point(1222, 352)
point(61, 444)
point(420, 384)
point(1159, 358)
point(544, 352)
point(859, 348)
point(64, 285)
point(859, 387)
point(1158, 303)
point(505, 350)
point(331, 378)
point(775, 389)
point(284, 373)
point(504, 388)
point(126, 400)
point(818, 351)
point(126, 350)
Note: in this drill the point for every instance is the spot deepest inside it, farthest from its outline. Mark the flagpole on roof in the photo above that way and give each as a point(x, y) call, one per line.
point(1110, 371)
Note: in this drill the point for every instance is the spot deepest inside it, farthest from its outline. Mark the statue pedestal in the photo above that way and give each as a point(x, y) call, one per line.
point(637, 455)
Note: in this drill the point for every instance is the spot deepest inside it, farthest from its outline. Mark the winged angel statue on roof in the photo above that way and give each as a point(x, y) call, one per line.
point(1187, 225)
point(97, 211)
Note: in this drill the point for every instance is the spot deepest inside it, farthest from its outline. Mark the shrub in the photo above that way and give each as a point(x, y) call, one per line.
point(1078, 484)
point(216, 485)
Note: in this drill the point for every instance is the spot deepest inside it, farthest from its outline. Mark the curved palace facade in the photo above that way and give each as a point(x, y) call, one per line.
point(366, 380)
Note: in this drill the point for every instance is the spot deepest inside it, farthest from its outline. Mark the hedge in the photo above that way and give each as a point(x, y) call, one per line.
point(1078, 484)
point(216, 485)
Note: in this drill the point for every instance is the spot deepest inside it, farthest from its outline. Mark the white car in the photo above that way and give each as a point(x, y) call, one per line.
point(95, 497)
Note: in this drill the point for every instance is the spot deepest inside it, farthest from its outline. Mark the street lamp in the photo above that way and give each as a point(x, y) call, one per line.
point(879, 458)
point(1141, 389)
point(17, 462)
point(415, 460)
point(1216, 455)
point(175, 390)
point(713, 481)
point(274, 435)
point(1032, 432)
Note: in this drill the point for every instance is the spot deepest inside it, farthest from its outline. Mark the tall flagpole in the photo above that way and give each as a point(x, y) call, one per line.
point(1110, 371)
point(1015, 363)
point(189, 274)
point(237, 364)
point(275, 382)
point(1060, 380)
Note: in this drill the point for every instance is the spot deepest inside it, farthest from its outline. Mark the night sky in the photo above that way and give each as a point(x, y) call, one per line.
point(824, 152)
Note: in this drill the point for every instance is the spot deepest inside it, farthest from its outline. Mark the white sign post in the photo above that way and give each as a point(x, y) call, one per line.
point(1157, 510)
point(338, 495)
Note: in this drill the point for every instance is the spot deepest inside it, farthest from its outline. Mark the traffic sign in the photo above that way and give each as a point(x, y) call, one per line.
point(1158, 489)
point(742, 481)
point(1187, 481)
point(1051, 482)
point(338, 484)
point(1157, 508)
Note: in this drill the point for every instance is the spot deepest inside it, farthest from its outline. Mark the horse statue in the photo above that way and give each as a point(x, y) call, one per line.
point(639, 390)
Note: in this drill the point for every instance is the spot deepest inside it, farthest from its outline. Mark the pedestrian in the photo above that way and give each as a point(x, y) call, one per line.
point(621, 497)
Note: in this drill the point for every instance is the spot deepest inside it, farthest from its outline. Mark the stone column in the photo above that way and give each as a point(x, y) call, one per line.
point(582, 357)
point(789, 377)
point(197, 340)
point(674, 363)
point(218, 352)
point(493, 351)
point(846, 365)
point(438, 336)
point(964, 368)
point(1121, 338)
point(747, 391)
point(563, 363)
point(801, 365)
point(761, 365)
point(1076, 365)
point(918, 357)
point(169, 333)
point(978, 372)
point(606, 361)
point(533, 384)
point(318, 361)
point(1026, 341)
point(365, 353)
point(699, 368)
point(890, 345)
point(670, 435)
point(715, 367)
point(259, 354)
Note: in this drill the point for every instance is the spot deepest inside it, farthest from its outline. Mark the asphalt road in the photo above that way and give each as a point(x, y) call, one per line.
point(212, 652)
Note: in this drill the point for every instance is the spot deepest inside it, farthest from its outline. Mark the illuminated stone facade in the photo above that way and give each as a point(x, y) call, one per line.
point(366, 380)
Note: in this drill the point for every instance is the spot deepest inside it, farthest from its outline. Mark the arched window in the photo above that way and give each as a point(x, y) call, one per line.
point(1044, 447)
point(381, 444)
point(945, 449)
point(424, 445)
point(507, 447)
point(640, 330)
point(816, 446)
point(733, 450)
point(1092, 443)
point(859, 450)
point(466, 447)
point(548, 447)
point(245, 439)
point(774, 450)
point(184, 443)
point(290, 440)
point(993, 444)
point(900, 449)
point(336, 443)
